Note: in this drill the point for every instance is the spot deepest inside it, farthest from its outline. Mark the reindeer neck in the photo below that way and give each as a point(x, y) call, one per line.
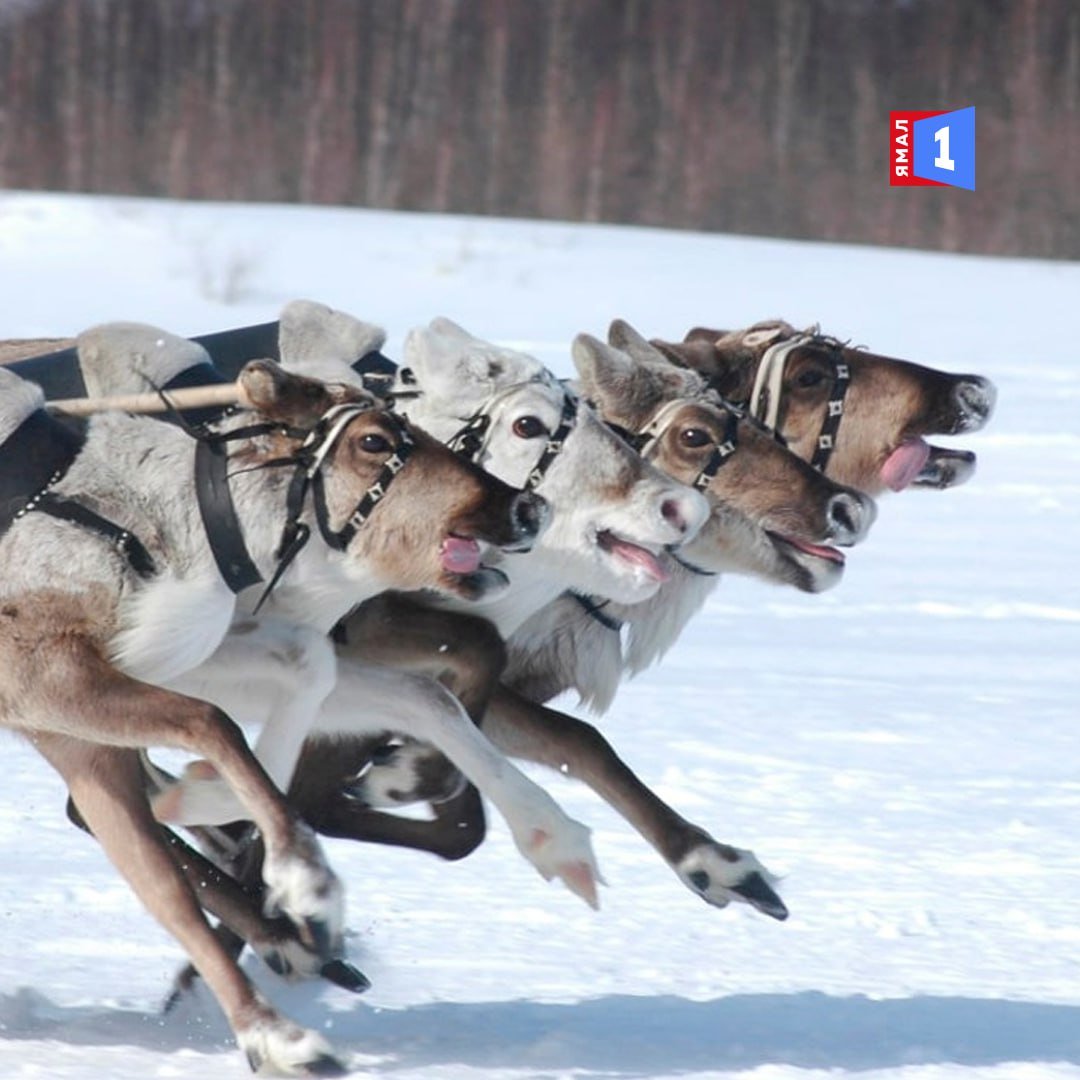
point(654, 625)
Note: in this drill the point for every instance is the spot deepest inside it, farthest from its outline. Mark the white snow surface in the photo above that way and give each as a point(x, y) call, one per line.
point(902, 750)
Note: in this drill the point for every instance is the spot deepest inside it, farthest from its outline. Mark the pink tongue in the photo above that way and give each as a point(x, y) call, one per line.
point(459, 556)
point(905, 463)
point(638, 556)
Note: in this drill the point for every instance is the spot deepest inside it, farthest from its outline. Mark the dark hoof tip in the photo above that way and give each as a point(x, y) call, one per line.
point(342, 973)
point(325, 1065)
point(315, 931)
point(254, 1060)
point(755, 890)
point(699, 879)
point(276, 963)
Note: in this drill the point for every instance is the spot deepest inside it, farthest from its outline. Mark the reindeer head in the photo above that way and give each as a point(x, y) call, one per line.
point(429, 510)
point(611, 514)
point(888, 405)
point(772, 515)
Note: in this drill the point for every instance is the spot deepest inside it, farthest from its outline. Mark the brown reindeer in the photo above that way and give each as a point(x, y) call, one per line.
point(109, 584)
point(787, 379)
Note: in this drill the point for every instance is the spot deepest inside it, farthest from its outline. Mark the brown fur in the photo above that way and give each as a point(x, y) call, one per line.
point(887, 402)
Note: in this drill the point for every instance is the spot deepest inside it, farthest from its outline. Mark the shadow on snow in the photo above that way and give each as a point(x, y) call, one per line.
point(619, 1035)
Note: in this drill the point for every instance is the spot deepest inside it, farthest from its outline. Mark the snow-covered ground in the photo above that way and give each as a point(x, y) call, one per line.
point(904, 749)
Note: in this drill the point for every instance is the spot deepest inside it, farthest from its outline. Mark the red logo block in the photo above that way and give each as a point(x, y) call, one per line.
point(902, 148)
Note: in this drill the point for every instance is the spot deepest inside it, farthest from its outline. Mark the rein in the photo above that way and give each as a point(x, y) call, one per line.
point(765, 397)
point(308, 460)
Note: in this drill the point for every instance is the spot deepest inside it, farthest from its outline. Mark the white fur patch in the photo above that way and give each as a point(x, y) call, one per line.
point(170, 626)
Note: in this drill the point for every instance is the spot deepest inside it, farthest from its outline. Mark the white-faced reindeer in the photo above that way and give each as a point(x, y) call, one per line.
point(110, 584)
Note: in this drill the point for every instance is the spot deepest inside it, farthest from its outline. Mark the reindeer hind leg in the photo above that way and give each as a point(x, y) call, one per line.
point(106, 784)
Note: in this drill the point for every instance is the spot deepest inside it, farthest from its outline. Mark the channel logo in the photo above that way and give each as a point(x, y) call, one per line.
point(932, 149)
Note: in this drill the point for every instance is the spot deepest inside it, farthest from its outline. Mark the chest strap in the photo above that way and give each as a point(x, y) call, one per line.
point(125, 541)
point(220, 522)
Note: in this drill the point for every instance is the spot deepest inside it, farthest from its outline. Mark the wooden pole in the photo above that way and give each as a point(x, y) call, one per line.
point(191, 397)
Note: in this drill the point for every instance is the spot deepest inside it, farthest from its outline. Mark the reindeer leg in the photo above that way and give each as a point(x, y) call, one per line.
point(554, 843)
point(76, 691)
point(268, 670)
point(716, 872)
point(318, 792)
point(106, 784)
point(464, 652)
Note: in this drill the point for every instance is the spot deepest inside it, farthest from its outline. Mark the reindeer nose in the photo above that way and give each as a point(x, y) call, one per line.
point(974, 397)
point(530, 513)
point(850, 515)
point(685, 513)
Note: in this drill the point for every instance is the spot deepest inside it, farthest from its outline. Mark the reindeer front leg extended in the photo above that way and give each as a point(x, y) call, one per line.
point(717, 872)
point(266, 670)
point(253, 671)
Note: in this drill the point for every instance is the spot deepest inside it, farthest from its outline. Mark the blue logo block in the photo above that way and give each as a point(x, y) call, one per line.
point(945, 148)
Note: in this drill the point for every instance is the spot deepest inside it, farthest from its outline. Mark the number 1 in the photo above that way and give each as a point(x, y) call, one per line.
point(943, 161)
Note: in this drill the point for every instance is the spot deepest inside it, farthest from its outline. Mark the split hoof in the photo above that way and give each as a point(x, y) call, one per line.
point(347, 976)
point(564, 851)
point(719, 874)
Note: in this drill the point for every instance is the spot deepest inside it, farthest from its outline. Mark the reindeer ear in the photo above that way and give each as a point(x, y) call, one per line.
point(449, 362)
point(623, 336)
point(604, 370)
point(293, 399)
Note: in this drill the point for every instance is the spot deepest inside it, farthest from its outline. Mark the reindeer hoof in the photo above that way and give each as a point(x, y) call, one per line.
point(719, 873)
point(277, 1047)
point(755, 890)
point(327, 1065)
point(347, 976)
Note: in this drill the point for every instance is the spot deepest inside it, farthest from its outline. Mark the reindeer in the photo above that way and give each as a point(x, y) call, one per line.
point(801, 383)
point(611, 515)
point(110, 585)
point(119, 357)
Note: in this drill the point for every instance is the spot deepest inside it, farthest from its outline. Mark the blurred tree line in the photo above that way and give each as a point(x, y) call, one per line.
point(750, 116)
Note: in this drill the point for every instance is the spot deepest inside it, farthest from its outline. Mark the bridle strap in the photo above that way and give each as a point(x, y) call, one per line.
point(371, 498)
point(651, 434)
point(595, 610)
point(721, 452)
point(768, 383)
point(470, 440)
point(554, 444)
point(834, 413)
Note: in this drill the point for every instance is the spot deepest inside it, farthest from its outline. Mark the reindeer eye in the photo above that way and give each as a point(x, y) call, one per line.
point(694, 437)
point(809, 377)
point(374, 444)
point(528, 427)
